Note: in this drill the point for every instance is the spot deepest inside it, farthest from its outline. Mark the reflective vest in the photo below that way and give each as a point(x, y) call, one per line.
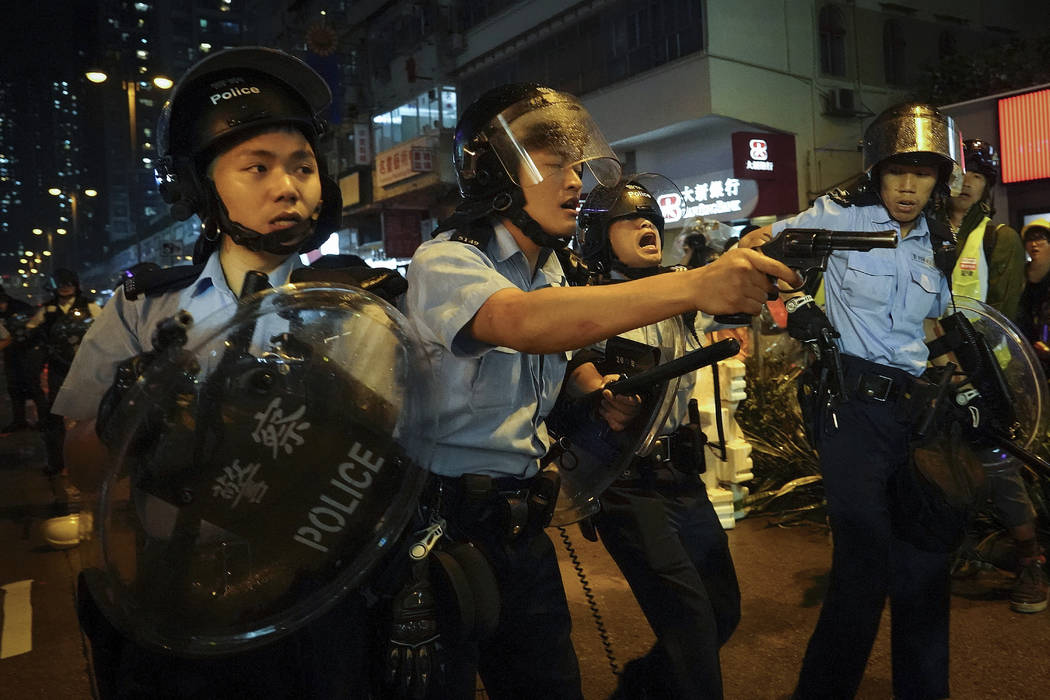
point(970, 276)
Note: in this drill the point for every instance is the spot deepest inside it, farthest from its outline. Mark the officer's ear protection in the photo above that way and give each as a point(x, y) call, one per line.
point(466, 590)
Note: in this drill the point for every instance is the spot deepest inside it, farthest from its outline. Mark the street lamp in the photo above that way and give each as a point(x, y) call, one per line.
point(98, 76)
point(73, 197)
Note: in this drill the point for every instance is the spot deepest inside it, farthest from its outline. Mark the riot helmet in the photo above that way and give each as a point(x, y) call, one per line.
point(226, 98)
point(913, 133)
point(493, 146)
point(981, 157)
point(631, 197)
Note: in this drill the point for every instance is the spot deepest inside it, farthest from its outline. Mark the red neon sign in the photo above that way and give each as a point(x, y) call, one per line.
point(1024, 136)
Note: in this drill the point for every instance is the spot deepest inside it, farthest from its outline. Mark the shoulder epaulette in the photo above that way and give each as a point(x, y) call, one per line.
point(479, 235)
point(155, 282)
point(859, 194)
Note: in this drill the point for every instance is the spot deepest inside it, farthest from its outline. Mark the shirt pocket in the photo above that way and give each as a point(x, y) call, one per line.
point(869, 280)
point(498, 379)
point(922, 293)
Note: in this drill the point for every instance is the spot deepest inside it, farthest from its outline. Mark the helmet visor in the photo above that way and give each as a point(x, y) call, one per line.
point(540, 137)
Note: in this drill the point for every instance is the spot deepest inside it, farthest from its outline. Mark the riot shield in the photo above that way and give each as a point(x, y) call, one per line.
point(1013, 380)
point(263, 470)
point(588, 454)
point(1020, 368)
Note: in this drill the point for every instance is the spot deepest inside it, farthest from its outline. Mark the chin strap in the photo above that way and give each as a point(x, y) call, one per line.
point(283, 242)
point(509, 204)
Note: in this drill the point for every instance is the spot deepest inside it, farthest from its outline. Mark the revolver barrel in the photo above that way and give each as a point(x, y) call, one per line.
point(815, 241)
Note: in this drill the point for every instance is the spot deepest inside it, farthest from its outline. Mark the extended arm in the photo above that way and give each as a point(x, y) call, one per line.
point(565, 318)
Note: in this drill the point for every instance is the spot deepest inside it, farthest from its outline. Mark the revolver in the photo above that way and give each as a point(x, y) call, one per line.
point(806, 251)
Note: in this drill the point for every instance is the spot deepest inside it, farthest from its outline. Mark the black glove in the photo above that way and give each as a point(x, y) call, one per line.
point(168, 338)
point(410, 662)
point(806, 321)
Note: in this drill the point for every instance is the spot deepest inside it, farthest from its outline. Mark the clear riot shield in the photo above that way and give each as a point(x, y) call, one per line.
point(588, 454)
point(948, 458)
point(1021, 369)
point(263, 469)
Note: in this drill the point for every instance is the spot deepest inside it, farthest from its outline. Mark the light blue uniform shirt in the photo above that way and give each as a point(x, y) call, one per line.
point(125, 328)
point(877, 300)
point(493, 400)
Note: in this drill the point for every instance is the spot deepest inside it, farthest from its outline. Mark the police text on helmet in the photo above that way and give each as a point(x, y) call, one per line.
point(234, 92)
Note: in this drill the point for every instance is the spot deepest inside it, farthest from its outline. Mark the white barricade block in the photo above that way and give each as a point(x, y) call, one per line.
point(723, 478)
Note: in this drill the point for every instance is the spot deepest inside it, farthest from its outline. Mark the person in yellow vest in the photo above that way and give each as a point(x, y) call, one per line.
point(990, 267)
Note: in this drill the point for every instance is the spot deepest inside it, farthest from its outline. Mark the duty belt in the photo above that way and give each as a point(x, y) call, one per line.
point(517, 505)
point(875, 383)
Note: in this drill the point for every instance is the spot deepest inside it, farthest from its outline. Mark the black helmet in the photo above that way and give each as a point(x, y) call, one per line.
point(982, 158)
point(914, 133)
point(62, 277)
point(628, 198)
point(491, 151)
point(227, 97)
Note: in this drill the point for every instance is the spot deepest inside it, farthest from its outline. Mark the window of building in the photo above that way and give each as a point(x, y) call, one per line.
point(832, 30)
point(623, 39)
point(430, 111)
point(893, 51)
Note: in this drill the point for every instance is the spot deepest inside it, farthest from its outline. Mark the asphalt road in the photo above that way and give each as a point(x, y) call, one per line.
point(782, 571)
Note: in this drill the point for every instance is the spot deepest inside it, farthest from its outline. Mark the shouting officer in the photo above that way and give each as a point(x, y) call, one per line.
point(657, 521)
point(238, 148)
point(490, 302)
point(878, 303)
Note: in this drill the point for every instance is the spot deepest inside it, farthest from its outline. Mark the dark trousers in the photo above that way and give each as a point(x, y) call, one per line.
point(859, 462)
point(663, 533)
point(54, 427)
point(23, 384)
point(324, 660)
point(530, 655)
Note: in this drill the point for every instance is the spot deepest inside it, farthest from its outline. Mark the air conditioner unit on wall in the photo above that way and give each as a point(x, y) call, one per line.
point(841, 102)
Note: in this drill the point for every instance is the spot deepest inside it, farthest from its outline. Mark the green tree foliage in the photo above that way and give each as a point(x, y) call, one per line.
point(1011, 65)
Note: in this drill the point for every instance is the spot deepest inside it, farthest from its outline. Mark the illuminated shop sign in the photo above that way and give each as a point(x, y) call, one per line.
point(701, 199)
point(759, 152)
point(762, 156)
point(405, 160)
point(1024, 136)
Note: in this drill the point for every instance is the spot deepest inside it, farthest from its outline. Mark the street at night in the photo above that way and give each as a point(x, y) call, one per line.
point(782, 571)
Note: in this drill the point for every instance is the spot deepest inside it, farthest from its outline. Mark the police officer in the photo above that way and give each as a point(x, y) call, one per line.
point(878, 302)
point(60, 324)
point(490, 302)
point(657, 521)
point(990, 267)
point(22, 384)
point(238, 148)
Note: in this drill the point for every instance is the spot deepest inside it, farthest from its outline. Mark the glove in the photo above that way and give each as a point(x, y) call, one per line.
point(169, 336)
point(414, 638)
point(806, 322)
